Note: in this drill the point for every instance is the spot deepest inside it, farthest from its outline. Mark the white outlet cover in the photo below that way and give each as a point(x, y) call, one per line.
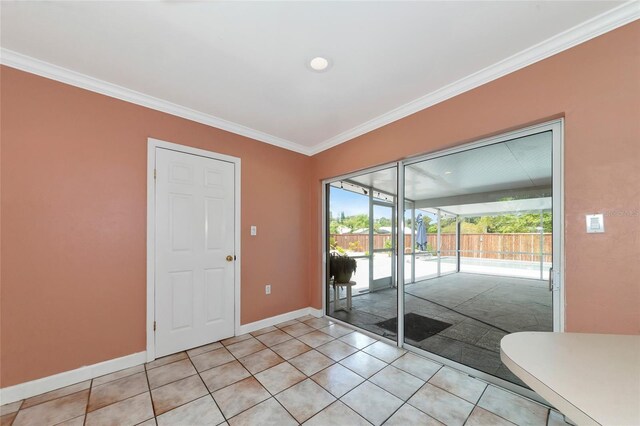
point(254, 230)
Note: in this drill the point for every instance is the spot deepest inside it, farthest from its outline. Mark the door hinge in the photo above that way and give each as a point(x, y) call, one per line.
point(155, 173)
point(154, 326)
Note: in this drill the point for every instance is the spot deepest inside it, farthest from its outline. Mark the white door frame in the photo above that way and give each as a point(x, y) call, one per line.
point(152, 145)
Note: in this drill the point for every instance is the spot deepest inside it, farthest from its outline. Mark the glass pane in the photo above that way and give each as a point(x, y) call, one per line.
point(348, 226)
point(409, 242)
point(447, 249)
point(361, 276)
point(382, 267)
point(483, 247)
point(525, 254)
point(364, 231)
point(426, 244)
point(383, 239)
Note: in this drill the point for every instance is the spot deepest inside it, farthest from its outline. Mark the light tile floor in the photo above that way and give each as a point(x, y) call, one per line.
point(303, 371)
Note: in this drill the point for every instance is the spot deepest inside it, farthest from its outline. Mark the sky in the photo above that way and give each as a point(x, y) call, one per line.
point(348, 202)
point(352, 204)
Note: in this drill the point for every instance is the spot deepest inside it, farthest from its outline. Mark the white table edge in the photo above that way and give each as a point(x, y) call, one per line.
point(575, 414)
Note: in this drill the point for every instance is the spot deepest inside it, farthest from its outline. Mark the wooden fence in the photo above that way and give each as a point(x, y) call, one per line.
point(524, 247)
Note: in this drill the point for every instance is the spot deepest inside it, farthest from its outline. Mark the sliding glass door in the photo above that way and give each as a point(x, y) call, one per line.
point(464, 243)
point(488, 213)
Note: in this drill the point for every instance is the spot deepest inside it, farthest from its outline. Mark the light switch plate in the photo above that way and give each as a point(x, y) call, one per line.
point(254, 230)
point(595, 223)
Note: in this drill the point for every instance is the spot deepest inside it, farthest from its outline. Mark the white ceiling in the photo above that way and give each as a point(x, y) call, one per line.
point(242, 65)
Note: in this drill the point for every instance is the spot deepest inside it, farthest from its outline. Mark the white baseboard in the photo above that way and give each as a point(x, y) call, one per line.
point(36, 387)
point(316, 312)
point(257, 325)
point(46, 384)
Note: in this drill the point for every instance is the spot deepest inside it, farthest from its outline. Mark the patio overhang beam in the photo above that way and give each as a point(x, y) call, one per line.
point(368, 188)
point(486, 197)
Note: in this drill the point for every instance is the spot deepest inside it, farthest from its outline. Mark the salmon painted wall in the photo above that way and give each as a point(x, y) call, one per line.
point(73, 289)
point(596, 87)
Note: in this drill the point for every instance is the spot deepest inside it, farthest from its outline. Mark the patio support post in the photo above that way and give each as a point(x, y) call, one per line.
point(394, 240)
point(458, 227)
point(400, 253)
point(439, 242)
point(370, 240)
point(541, 245)
point(413, 242)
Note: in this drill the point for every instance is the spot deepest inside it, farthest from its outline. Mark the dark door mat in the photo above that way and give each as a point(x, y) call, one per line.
point(416, 327)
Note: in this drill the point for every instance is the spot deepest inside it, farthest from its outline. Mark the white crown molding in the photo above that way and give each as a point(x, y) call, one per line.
point(608, 21)
point(35, 66)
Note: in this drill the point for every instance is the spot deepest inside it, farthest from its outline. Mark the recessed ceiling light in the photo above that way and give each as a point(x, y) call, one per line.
point(319, 63)
point(447, 172)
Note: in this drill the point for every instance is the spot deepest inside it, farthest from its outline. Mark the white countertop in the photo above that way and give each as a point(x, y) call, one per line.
point(591, 378)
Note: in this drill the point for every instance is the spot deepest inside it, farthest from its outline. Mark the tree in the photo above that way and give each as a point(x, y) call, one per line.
point(514, 223)
point(379, 223)
point(499, 224)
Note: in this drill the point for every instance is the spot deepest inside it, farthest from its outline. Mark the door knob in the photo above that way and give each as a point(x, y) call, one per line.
point(229, 258)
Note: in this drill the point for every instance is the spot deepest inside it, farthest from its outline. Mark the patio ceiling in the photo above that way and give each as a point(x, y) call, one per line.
point(506, 177)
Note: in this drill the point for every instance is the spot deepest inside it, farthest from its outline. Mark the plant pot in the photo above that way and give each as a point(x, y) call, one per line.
point(341, 268)
point(343, 278)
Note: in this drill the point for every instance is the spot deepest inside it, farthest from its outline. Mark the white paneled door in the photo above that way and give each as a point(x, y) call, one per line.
point(194, 250)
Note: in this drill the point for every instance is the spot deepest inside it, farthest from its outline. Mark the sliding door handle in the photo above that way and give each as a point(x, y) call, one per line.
point(550, 279)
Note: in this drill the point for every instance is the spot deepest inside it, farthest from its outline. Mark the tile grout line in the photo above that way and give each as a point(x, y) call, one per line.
point(86, 407)
point(132, 396)
point(253, 376)
point(110, 404)
point(205, 384)
point(236, 359)
point(519, 396)
point(337, 399)
point(16, 412)
point(304, 374)
point(284, 360)
point(153, 405)
point(403, 401)
point(476, 404)
point(342, 402)
point(307, 377)
point(406, 402)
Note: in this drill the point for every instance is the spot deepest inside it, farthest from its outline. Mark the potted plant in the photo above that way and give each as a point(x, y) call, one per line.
point(341, 268)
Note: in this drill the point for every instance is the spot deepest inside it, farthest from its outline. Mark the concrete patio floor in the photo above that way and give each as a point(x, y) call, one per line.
point(480, 308)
